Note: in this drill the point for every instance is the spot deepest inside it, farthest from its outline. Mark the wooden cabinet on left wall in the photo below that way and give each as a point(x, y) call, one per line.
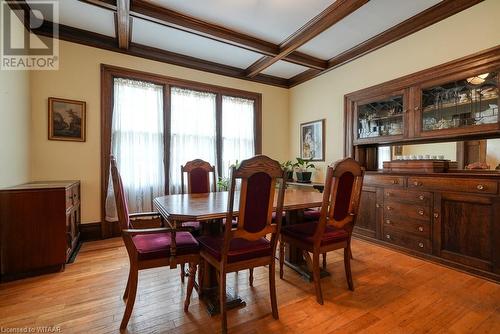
point(39, 227)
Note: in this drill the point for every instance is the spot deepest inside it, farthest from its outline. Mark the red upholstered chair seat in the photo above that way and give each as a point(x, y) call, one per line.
point(305, 233)
point(312, 215)
point(239, 249)
point(157, 245)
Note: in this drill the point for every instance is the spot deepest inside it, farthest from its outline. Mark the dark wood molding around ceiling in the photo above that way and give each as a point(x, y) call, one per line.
point(434, 14)
point(327, 18)
point(123, 26)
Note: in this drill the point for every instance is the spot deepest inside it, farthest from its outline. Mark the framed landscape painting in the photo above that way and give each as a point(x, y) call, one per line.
point(312, 140)
point(66, 119)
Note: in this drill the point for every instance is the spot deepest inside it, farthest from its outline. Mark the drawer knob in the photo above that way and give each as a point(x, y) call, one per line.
point(420, 228)
point(417, 183)
point(388, 194)
point(421, 212)
point(421, 244)
point(389, 208)
point(388, 222)
point(377, 205)
point(480, 187)
point(436, 215)
point(387, 236)
point(394, 181)
point(421, 197)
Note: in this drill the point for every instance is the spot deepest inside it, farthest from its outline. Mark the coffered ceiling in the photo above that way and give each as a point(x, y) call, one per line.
point(277, 42)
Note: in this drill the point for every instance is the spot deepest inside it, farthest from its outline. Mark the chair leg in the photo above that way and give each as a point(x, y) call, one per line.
point(183, 273)
point(192, 276)
point(222, 299)
point(317, 278)
point(125, 293)
point(250, 277)
point(282, 258)
point(131, 298)
point(347, 266)
point(324, 261)
point(201, 275)
point(272, 289)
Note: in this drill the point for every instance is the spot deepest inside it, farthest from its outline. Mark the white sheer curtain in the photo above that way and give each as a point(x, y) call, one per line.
point(137, 143)
point(238, 140)
point(193, 131)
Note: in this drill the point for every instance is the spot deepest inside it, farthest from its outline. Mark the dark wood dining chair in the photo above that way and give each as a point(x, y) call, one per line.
point(245, 245)
point(197, 173)
point(333, 230)
point(151, 248)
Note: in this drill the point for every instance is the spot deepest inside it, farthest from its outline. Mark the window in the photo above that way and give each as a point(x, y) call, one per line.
point(155, 124)
point(137, 143)
point(237, 131)
point(192, 131)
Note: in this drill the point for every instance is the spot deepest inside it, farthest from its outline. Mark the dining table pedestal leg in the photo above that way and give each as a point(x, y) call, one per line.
point(296, 258)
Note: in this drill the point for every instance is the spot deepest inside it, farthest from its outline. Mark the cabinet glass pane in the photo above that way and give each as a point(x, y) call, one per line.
point(467, 102)
point(381, 118)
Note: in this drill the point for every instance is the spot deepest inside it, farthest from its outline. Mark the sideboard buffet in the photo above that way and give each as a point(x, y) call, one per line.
point(452, 217)
point(39, 227)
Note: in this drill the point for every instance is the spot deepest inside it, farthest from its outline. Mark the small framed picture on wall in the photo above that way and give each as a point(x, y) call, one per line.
point(67, 119)
point(312, 140)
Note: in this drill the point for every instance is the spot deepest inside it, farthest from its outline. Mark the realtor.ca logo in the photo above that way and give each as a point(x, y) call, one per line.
point(22, 50)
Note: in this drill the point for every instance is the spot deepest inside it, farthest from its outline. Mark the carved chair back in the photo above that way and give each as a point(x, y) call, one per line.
point(259, 176)
point(198, 177)
point(344, 180)
point(121, 202)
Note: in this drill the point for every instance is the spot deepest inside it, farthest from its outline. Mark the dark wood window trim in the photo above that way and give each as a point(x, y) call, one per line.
point(108, 73)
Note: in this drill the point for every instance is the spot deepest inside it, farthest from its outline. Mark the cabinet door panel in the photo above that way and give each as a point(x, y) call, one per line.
point(465, 231)
point(369, 214)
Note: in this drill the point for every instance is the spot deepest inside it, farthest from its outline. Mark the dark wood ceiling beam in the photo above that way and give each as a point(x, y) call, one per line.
point(106, 4)
point(123, 25)
point(434, 14)
point(327, 18)
point(88, 38)
point(169, 18)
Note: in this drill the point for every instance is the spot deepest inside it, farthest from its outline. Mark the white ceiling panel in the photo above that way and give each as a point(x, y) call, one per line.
point(161, 37)
point(80, 15)
point(270, 20)
point(371, 19)
point(284, 69)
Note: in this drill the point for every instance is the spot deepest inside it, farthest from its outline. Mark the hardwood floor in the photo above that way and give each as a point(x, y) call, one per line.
point(394, 293)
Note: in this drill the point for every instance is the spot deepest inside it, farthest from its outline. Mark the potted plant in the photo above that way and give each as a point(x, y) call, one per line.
point(302, 165)
point(288, 169)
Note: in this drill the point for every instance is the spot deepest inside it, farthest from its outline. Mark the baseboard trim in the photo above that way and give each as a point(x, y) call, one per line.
point(90, 231)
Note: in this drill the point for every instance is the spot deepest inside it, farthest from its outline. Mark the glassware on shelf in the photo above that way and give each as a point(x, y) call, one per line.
point(461, 103)
point(381, 118)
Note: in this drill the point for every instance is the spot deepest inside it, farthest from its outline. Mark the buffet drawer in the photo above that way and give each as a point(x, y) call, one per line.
point(419, 228)
point(405, 196)
point(384, 181)
point(454, 184)
point(396, 209)
point(406, 240)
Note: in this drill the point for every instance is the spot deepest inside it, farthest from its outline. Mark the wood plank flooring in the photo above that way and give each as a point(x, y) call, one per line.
point(394, 293)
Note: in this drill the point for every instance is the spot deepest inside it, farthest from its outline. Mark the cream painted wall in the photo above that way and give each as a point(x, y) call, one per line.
point(470, 31)
point(14, 125)
point(79, 78)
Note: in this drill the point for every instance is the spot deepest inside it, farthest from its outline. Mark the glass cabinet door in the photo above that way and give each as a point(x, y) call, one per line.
point(463, 103)
point(380, 118)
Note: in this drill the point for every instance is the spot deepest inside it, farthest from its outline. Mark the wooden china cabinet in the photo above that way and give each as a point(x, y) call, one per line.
point(451, 217)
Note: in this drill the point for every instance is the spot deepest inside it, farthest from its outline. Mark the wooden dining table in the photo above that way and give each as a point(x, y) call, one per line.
point(210, 208)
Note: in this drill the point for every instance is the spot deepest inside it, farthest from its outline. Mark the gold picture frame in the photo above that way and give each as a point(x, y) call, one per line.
point(67, 119)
